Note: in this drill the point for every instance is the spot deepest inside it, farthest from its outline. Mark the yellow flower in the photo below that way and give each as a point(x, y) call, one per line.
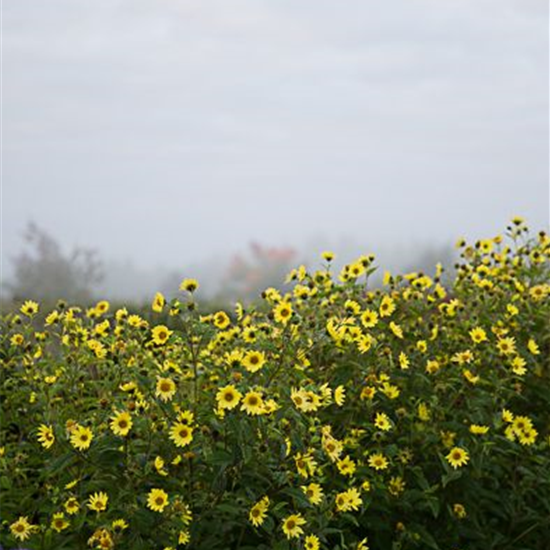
point(158, 302)
point(184, 537)
point(507, 416)
point(527, 437)
point(404, 362)
point(282, 312)
point(387, 306)
point(346, 466)
point(221, 320)
point(254, 360)
point(312, 542)
point(423, 412)
point(228, 397)
point(17, 340)
point(348, 500)
point(305, 464)
point(396, 486)
point(181, 434)
point(159, 466)
point(476, 429)
point(258, 512)
point(161, 334)
point(382, 422)
point(98, 502)
point(101, 307)
point(81, 437)
point(506, 346)
point(119, 525)
point(396, 329)
point(340, 395)
point(253, 403)
point(166, 389)
point(46, 436)
point(459, 511)
point(533, 347)
point(313, 492)
point(378, 461)
point(457, 457)
point(157, 500)
point(190, 285)
point(71, 506)
point(292, 526)
point(121, 423)
point(328, 256)
point(22, 529)
point(369, 318)
point(518, 365)
point(29, 308)
point(478, 335)
point(59, 523)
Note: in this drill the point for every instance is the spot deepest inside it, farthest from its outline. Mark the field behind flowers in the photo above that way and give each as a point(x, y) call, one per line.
point(330, 414)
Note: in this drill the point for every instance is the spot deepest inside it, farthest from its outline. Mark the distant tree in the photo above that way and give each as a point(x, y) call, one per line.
point(247, 276)
point(44, 272)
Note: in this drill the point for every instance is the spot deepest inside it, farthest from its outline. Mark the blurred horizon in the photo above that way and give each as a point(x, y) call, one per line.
point(170, 136)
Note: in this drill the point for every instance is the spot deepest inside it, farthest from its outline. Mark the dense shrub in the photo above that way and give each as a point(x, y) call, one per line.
point(333, 416)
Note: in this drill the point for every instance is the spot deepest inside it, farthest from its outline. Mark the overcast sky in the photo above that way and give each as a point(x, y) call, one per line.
point(167, 131)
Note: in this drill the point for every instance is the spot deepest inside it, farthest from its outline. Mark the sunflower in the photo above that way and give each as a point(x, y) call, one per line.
point(181, 434)
point(349, 500)
point(305, 464)
point(253, 403)
point(71, 506)
point(17, 340)
point(46, 436)
point(312, 543)
point(254, 360)
point(292, 526)
point(59, 523)
point(378, 461)
point(157, 500)
point(478, 335)
point(98, 502)
point(190, 285)
point(161, 334)
point(228, 397)
point(81, 437)
point(346, 466)
point(387, 306)
point(119, 525)
point(184, 537)
point(158, 302)
point(102, 307)
point(221, 320)
point(29, 308)
point(313, 492)
point(166, 389)
point(258, 512)
point(457, 457)
point(121, 423)
point(340, 395)
point(382, 422)
point(282, 312)
point(506, 346)
point(22, 529)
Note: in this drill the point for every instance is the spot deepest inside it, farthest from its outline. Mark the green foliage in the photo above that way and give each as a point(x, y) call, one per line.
point(409, 417)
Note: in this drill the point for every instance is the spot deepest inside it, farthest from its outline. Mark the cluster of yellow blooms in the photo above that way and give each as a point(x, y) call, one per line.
point(333, 414)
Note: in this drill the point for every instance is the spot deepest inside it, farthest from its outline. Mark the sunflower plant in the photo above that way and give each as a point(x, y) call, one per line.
point(333, 414)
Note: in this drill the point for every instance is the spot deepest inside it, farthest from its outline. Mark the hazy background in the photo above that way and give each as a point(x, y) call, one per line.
point(168, 135)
